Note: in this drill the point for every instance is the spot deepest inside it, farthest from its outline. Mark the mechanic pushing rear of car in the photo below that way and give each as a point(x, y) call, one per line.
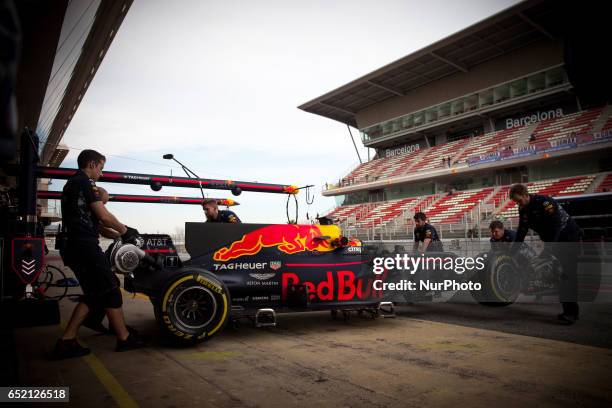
point(96, 315)
point(426, 234)
point(82, 211)
point(554, 225)
point(213, 214)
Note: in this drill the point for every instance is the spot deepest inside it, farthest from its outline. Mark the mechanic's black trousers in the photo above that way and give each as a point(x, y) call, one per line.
point(92, 269)
point(567, 251)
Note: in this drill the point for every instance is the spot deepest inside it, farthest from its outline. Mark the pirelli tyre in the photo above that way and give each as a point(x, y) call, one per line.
point(500, 281)
point(193, 306)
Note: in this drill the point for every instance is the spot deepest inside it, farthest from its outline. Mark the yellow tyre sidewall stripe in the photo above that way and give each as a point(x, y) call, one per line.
point(493, 285)
point(223, 317)
point(165, 303)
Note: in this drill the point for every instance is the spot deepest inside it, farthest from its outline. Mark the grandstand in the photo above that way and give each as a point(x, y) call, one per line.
point(461, 151)
point(458, 208)
point(454, 124)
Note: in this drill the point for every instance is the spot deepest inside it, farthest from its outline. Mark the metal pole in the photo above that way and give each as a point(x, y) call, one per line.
point(149, 179)
point(27, 180)
point(478, 220)
point(131, 198)
point(354, 144)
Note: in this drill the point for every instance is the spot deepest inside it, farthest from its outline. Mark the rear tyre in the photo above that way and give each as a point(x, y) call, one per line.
point(193, 306)
point(501, 282)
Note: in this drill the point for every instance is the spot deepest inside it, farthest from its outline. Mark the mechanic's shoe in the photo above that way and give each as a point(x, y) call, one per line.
point(133, 341)
point(68, 349)
point(567, 319)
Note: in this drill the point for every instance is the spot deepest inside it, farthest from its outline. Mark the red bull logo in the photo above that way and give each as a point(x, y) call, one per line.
point(339, 286)
point(289, 238)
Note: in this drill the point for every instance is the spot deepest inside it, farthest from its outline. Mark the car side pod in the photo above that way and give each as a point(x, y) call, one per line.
point(265, 318)
point(386, 309)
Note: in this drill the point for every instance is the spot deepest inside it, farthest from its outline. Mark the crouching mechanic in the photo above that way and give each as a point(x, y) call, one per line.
point(501, 238)
point(213, 214)
point(554, 225)
point(82, 211)
point(502, 243)
point(426, 234)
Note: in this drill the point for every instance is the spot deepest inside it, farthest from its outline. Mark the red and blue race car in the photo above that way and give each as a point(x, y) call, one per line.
point(247, 270)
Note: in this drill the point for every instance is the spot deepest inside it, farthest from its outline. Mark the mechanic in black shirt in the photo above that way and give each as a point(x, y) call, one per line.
point(502, 241)
point(82, 211)
point(554, 225)
point(501, 238)
point(427, 234)
point(213, 214)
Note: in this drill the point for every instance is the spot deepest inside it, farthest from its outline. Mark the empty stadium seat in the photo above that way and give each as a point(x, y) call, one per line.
point(565, 126)
point(607, 126)
point(605, 185)
point(383, 212)
point(491, 143)
point(460, 150)
point(451, 209)
point(432, 157)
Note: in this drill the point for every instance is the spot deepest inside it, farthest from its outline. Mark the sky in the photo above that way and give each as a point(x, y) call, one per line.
point(217, 83)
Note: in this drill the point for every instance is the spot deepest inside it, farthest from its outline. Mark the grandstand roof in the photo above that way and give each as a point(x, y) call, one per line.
point(525, 23)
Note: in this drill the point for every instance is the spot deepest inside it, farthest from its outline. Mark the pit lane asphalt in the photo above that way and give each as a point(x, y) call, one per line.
point(431, 354)
point(528, 319)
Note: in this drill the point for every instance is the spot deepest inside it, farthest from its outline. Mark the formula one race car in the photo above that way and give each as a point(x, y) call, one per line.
point(247, 270)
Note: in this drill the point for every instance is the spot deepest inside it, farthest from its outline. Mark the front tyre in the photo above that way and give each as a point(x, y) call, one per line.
point(193, 306)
